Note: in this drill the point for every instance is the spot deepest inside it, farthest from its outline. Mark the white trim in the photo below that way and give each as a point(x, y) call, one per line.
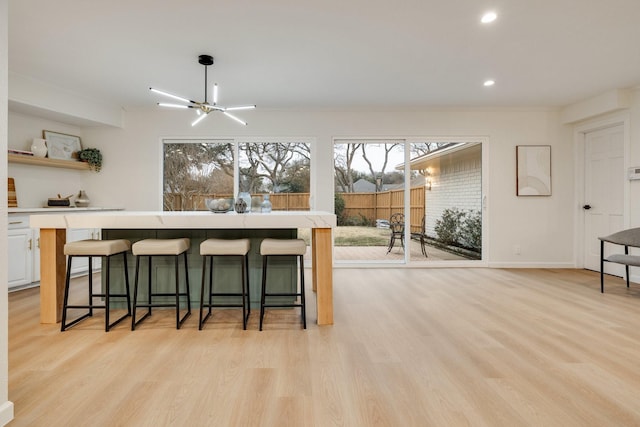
point(407, 141)
point(532, 265)
point(579, 136)
point(6, 412)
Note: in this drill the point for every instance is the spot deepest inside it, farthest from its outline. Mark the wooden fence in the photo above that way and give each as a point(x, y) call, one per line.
point(371, 206)
point(381, 205)
point(279, 201)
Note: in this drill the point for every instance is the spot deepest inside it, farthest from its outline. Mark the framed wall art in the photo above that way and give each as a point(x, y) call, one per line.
point(533, 170)
point(62, 146)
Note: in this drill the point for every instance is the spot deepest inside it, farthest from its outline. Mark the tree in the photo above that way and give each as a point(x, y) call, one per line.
point(279, 164)
point(196, 169)
point(343, 162)
point(375, 174)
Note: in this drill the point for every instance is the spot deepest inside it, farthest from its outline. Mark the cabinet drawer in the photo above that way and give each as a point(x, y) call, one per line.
point(19, 221)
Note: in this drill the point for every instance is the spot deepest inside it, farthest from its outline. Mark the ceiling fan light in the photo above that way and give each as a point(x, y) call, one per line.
point(199, 119)
point(215, 93)
point(234, 118)
point(243, 107)
point(164, 104)
point(179, 98)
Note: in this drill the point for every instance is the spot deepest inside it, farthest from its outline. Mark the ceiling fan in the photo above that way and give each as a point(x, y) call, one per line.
point(204, 108)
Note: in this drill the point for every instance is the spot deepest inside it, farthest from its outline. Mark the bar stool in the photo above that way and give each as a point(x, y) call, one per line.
point(91, 249)
point(161, 247)
point(211, 248)
point(282, 247)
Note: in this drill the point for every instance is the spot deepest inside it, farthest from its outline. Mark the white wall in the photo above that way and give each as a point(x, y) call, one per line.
point(541, 227)
point(6, 407)
point(34, 185)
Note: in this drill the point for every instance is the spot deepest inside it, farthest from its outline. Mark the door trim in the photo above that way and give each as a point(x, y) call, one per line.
point(579, 137)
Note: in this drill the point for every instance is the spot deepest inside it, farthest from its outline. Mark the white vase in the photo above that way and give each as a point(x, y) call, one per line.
point(82, 200)
point(39, 147)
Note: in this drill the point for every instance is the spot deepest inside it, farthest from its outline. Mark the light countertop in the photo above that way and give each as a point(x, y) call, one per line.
point(58, 209)
point(183, 220)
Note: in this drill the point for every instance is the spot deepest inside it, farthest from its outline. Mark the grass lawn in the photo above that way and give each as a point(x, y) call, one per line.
point(354, 236)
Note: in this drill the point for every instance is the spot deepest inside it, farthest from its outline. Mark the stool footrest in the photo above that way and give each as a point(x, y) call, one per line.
point(155, 305)
point(282, 295)
point(221, 305)
point(169, 294)
point(282, 305)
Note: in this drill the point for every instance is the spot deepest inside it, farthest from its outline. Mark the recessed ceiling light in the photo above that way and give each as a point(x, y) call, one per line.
point(488, 17)
point(489, 82)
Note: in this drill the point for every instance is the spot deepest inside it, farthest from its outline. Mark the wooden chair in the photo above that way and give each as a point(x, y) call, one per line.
point(396, 226)
point(627, 238)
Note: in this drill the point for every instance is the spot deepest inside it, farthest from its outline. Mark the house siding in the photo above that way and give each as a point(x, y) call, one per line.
point(456, 185)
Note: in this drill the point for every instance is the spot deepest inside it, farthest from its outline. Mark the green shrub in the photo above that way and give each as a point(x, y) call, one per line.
point(339, 205)
point(447, 228)
point(471, 231)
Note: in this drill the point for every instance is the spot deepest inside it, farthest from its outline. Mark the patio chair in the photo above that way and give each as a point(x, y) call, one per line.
point(396, 226)
point(423, 237)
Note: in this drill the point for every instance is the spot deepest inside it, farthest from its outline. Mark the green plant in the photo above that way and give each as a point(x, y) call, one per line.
point(339, 206)
point(471, 230)
point(448, 226)
point(93, 156)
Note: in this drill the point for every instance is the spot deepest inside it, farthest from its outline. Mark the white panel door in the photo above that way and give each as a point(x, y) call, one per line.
point(603, 193)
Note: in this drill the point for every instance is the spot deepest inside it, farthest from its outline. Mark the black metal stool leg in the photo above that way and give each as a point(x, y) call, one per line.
point(63, 325)
point(204, 271)
point(264, 284)
point(302, 297)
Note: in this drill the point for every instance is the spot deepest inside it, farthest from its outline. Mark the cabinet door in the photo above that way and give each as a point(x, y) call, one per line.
point(20, 257)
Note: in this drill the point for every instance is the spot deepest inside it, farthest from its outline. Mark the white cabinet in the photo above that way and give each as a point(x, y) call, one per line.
point(24, 252)
point(20, 257)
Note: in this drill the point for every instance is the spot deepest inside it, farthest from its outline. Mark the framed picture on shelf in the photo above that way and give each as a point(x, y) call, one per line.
point(533, 170)
point(61, 145)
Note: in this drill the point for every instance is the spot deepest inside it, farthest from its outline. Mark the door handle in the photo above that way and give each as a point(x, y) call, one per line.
point(586, 207)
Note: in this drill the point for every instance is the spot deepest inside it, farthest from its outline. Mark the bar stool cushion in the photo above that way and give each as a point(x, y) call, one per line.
point(283, 247)
point(96, 247)
point(225, 247)
point(161, 246)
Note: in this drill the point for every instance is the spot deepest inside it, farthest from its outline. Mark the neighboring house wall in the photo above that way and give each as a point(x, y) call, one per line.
point(457, 185)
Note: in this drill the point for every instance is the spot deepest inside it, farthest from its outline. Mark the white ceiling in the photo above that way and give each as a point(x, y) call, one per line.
point(330, 53)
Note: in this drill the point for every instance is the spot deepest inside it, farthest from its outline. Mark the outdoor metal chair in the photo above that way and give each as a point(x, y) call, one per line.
point(423, 237)
point(396, 226)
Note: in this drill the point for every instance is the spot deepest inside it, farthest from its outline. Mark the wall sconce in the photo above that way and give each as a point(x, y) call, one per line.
point(428, 184)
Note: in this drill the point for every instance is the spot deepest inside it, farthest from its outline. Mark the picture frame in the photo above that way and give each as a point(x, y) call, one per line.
point(61, 145)
point(533, 170)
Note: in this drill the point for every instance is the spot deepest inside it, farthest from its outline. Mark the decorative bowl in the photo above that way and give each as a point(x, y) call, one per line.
point(220, 205)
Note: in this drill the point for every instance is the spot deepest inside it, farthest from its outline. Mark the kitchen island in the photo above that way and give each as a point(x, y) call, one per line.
point(53, 237)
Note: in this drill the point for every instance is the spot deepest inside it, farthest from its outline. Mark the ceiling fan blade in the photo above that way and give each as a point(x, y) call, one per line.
point(179, 98)
point(199, 119)
point(164, 104)
point(215, 93)
point(241, 107)
point(234, 118)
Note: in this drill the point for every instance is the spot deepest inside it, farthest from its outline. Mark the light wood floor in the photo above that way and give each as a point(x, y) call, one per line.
point(410, 347)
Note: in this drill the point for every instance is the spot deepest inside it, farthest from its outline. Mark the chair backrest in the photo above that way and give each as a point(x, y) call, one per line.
point(396, 222)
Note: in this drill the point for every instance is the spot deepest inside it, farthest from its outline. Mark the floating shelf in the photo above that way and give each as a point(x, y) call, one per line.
point(45, 161)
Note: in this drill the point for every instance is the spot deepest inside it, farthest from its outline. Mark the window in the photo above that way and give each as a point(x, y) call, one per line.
point(441, 215)
point(194, 170)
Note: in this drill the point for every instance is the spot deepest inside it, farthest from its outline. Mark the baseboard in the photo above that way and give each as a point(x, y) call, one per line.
point(6, 412)
point(532, 265)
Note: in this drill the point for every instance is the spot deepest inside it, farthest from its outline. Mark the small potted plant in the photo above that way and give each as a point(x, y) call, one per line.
point(93, 156)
